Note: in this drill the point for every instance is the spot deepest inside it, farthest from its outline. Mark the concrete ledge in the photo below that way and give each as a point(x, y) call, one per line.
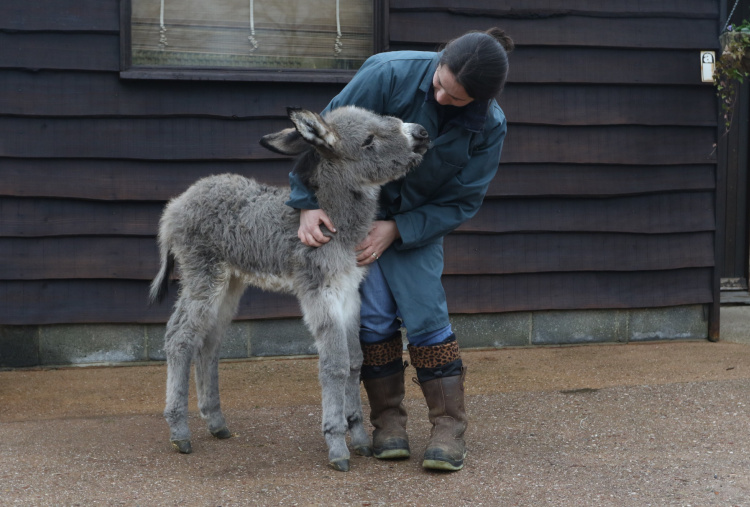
point(22, 346)
point(280, 338)
point(19, 346)
point(678, 323)
point(493, 329)
point(579, 326)
point(89, 343)
point(735, 324)
point(235, 344)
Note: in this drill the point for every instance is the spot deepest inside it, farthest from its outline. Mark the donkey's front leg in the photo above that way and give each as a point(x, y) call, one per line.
point(333, 374)
point(359, 437)
point(360, 440)
point(322, 313)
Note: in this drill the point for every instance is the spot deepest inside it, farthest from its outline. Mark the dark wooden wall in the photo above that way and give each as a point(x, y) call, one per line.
point(734, 216)
point(605, 196)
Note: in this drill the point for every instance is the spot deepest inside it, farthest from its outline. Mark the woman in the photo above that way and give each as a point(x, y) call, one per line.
point(451, 94)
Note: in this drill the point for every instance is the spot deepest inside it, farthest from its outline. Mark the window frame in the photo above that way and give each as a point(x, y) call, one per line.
point(380, 37)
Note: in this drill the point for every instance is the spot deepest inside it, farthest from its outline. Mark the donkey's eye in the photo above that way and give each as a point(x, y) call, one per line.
point(368, 142)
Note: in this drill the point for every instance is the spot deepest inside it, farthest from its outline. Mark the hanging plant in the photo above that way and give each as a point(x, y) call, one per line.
point(732, 67)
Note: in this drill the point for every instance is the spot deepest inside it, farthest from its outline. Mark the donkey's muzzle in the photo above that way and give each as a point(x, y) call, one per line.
point(421, 133)
point(420, 137)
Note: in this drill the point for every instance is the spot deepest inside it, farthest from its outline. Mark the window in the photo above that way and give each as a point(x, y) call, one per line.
point(272, 40)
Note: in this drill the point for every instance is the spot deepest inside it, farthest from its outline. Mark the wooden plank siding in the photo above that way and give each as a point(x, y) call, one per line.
point(123, 301)
point(646, 214)
point(605, 196)
point(72, 257)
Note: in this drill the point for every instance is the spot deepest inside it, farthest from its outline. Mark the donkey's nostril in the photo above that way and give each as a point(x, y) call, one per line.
point(422, 133)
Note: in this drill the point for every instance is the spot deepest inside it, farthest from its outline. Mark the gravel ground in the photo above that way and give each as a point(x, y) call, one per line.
point(637, 424)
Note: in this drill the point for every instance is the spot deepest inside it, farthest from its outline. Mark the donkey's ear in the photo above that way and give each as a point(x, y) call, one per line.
point(313, 128)
point(286, 142)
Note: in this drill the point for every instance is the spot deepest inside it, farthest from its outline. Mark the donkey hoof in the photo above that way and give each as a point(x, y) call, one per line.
point(363, 450)
point(182, 445)
point(342, 465)
point(222, 433)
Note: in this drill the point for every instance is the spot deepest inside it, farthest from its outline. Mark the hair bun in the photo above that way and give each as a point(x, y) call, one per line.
point(500, 36)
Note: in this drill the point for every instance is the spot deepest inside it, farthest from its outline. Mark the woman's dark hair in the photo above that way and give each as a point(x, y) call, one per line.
point(479, 61)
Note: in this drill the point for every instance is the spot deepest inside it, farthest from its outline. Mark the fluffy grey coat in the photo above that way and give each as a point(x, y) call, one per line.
point(226, 232)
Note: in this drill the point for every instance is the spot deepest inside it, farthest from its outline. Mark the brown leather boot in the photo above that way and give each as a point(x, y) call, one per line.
point(383, 379)
point(446, 449)
point(441, 374)
point(388, 416)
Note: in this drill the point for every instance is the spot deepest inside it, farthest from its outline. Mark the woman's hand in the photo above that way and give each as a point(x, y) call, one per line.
point(380, 237)
point(309, 231)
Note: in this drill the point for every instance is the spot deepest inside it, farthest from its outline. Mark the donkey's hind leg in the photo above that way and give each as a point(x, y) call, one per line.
point(180, 344)
point(188, 329)
point(207, 362)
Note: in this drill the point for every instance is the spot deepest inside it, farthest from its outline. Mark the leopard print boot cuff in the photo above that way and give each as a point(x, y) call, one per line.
point(434, 356)
point(382, 353)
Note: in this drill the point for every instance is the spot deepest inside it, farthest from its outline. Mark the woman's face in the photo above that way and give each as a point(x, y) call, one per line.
point(447, 90)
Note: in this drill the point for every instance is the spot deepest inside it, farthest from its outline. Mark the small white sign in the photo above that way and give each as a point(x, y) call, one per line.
point(708, 62)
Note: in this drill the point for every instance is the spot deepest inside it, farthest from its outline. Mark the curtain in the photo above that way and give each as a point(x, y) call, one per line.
point(258, 34)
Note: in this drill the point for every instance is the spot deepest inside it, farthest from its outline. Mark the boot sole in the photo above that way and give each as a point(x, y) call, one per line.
point(434, 461)
point(392, 454)
point(434, 464)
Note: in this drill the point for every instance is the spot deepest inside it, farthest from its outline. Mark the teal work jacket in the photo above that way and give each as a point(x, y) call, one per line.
point(443, 192)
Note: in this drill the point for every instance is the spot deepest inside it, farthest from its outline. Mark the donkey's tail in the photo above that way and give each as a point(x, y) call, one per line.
point(160, 284)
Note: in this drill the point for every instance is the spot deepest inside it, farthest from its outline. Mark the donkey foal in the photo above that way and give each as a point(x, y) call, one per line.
point(226, 232)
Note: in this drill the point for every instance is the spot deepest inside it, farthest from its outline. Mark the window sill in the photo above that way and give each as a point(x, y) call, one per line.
point(265, 75)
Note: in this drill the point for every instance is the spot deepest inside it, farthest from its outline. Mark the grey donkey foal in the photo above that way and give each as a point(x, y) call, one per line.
point(226, 232)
